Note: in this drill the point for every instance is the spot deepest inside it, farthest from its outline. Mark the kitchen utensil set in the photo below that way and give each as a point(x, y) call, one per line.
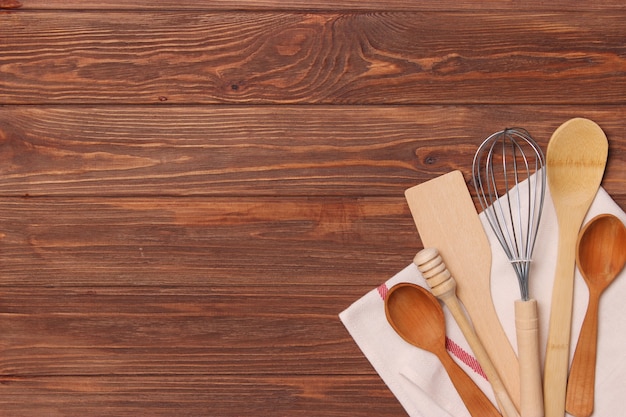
point(509, 173)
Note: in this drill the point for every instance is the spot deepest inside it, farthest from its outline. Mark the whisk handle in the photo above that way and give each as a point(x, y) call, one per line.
point(527, 329)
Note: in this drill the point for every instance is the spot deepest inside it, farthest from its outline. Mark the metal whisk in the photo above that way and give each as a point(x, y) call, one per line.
point(502, 162)
point(510, 180)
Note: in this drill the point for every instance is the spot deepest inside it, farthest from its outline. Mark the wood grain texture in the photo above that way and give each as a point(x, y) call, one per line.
point(265, 329)
point(264, 150)
point(197, 396)
point(219, 241)
point(286, 57)
point(191, 191)
point(367, 5)
point(180, 333)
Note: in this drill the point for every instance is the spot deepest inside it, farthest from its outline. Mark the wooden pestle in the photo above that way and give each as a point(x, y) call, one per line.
point(443, 286)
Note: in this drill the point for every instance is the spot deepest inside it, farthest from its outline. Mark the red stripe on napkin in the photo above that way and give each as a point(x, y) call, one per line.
point(451, 346)
point(383, 290)
point(465, 357)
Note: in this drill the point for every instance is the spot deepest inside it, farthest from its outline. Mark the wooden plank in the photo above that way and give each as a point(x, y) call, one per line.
point(266, 150)
point(198, 396)
point(200, 242)
point(259, 329)
point(119, 349)
point(334, 58)
point(380, 5)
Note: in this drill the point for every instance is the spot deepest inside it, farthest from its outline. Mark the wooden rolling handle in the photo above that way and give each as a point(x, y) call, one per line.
point(443, 286)
point(527, 328)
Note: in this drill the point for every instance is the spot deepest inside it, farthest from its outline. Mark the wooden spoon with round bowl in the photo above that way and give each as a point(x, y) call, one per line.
point(575, 162)
point(416, 315)
point(600, 256)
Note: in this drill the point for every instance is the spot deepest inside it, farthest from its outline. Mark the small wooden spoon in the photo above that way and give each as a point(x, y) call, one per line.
point(575, 162)
point(416, 315)
point(600, 256)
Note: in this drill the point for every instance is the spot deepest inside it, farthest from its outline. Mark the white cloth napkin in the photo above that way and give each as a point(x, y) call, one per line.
point(417, 378)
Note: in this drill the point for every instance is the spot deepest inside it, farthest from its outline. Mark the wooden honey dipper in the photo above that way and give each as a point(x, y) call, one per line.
point(443, 286)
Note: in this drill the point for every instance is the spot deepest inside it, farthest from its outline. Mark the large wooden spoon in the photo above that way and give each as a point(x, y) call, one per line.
point(416, 315)
point(600, 256)
point(575, 162)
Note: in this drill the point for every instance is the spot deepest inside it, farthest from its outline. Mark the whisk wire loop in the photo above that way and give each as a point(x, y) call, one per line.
point(513, 210)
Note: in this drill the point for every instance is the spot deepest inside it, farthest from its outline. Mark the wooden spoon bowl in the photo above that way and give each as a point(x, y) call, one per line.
point(416, 315)
point(601, 251)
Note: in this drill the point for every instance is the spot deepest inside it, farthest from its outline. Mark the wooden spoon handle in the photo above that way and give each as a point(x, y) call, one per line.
point(582, 377)
point(527, 329)
point(474, 399)
point(559, 331)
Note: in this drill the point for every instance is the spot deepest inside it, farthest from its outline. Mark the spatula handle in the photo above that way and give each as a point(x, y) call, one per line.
point(527, 329)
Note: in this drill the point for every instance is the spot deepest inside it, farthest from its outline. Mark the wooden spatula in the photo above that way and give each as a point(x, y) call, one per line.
point(446, 219)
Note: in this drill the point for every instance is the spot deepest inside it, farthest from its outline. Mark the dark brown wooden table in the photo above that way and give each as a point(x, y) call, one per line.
point(191, 191)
